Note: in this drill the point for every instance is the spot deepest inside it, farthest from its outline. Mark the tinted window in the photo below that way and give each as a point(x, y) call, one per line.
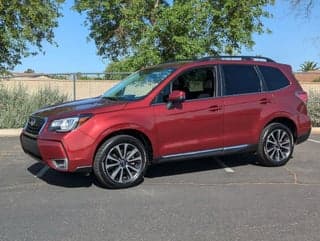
point(273, 77)
point(196, 83)
point(240, 79)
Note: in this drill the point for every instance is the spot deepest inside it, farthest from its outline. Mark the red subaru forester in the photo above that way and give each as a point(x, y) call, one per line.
point(187, 109)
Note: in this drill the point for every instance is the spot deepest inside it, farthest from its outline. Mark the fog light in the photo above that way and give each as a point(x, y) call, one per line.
point(60, 164)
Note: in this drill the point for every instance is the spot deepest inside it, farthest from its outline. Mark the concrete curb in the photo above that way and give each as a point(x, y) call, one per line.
point(16, 132)
point(10, 132)
point(315, 130)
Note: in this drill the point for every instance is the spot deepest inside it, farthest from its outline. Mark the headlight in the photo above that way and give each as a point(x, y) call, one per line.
point(68, 124)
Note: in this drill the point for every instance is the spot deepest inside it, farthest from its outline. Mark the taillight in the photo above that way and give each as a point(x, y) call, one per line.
point(302, 95)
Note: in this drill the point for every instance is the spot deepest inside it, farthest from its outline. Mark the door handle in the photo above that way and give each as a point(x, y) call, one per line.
point(264, 101)
point(214, 108)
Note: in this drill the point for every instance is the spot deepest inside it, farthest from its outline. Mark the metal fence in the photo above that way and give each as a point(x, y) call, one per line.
point(89, 84)
point(83, 85)
point(74, 85)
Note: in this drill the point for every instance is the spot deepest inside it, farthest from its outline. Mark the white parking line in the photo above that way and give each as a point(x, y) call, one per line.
point(225, 167)
point(42, 171)
point(315, 141)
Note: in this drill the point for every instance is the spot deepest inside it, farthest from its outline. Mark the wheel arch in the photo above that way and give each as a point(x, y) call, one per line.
point(288, 122)
point(145, 140)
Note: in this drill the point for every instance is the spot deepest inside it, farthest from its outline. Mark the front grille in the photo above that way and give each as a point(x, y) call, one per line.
point(35, 124)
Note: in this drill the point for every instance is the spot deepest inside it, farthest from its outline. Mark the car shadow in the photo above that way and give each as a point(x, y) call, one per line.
point(78, 180)
point(199, 165)
point(63, 179)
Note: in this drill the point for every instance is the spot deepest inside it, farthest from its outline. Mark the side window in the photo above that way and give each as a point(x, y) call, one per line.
point(273, 78)
point(240, 79)
point(196, 83)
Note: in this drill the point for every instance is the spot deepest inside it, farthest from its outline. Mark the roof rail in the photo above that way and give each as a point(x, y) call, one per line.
point(240, 57)
point(178, 60)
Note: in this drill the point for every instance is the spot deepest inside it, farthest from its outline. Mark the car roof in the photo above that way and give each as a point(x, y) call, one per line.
point(174, 64)
point(216, 60)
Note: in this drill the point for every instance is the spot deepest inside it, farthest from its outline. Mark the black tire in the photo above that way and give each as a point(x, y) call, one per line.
point(276, 145)
point(120, 162)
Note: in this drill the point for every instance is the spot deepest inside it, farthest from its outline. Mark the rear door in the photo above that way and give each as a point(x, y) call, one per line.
point(244, 102)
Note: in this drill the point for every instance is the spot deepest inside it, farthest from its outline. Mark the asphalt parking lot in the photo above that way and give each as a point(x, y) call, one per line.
point(229, 198)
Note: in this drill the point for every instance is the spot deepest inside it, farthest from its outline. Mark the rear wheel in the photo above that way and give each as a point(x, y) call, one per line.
point(120, 162)
point(276, 145)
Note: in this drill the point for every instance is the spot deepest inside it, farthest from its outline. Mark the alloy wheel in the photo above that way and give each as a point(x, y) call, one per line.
point(123, 163)
point(278, 145)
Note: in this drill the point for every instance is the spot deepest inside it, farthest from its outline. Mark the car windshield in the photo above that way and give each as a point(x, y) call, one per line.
point(138, 85)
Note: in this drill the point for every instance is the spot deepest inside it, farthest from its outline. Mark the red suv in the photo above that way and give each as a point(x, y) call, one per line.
point(188, 109)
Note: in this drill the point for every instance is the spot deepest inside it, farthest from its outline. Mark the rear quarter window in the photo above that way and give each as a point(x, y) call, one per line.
point(273, 78)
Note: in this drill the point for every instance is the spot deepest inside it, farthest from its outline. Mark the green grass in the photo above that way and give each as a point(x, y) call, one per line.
point(17, 104)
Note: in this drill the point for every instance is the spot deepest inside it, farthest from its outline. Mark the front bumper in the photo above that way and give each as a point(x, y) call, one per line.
point(30, 146)
point(55, 154)
point(51, 153)
point(68, 152)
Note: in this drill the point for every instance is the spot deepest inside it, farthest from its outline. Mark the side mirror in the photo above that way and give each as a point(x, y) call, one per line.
point(176, 97)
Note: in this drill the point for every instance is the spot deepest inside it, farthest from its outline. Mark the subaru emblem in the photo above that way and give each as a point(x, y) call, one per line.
point(32, 121)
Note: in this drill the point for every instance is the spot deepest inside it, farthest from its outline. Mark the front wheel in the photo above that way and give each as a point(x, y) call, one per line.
point(276, 145)
point(120, 162)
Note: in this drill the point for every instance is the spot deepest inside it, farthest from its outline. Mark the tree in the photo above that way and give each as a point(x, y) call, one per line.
point(24, 24)
point(309, 66)
point(305, 5)
point(143, 32)
point(29, 71)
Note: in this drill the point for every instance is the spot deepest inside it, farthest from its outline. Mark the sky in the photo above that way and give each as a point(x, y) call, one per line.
point(294, 39)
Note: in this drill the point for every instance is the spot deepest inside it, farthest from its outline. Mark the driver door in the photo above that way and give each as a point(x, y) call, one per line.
point(195, 124)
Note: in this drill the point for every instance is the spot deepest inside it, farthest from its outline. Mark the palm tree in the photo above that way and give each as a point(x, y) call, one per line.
point(309, 66)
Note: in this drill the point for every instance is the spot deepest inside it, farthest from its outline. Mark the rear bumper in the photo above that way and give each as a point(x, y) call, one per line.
point(303, 137)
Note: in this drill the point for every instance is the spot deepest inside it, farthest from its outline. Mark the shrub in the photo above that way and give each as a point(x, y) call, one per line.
point(314, 108)
point(17, 104)
point(316, 79)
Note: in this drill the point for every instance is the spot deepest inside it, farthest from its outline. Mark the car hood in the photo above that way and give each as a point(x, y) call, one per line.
point(91, 105)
